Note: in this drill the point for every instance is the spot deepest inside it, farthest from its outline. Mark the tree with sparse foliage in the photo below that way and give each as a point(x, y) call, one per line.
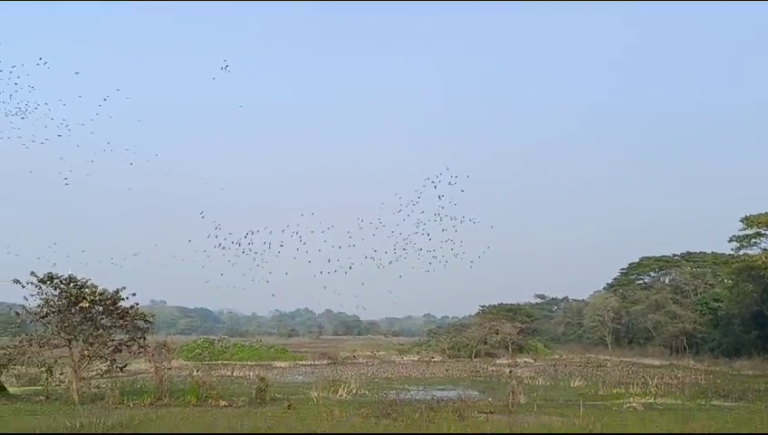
point(93, 325)
point(506, 326)
point(602, 316)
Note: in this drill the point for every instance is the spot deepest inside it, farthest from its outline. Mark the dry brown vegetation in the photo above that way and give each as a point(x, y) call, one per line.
point(392, 390)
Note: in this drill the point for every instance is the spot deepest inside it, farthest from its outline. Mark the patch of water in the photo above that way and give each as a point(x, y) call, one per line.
point(299, 378)
point(429, 393)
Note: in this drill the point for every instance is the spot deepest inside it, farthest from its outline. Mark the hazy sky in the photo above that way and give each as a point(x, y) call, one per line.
point(593, 134)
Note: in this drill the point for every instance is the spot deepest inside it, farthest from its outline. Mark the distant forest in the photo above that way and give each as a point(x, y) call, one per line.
point(303, 322)
point(552, 320)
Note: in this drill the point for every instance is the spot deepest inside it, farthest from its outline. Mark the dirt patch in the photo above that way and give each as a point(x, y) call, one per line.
point(646, 361)
point(528, 419)
point(659, 402)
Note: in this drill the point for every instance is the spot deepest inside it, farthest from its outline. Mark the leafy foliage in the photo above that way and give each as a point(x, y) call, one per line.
point(223, 349)
point(95, 326)
point(688, 303)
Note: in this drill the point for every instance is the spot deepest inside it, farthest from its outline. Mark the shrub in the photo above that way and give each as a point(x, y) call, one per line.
point(536, 348)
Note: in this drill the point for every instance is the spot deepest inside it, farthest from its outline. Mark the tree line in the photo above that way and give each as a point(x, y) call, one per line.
point(690, 303)
point(303, 322)
point(171, 320)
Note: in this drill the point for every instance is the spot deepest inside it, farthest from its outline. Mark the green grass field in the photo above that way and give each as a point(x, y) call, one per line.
point(388, 394)
point(379, 416)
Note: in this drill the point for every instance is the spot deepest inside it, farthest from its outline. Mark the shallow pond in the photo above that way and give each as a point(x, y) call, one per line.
point(430, 393)
point(299, 378)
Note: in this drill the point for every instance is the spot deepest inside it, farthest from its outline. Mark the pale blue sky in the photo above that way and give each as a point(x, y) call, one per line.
point(594, 134)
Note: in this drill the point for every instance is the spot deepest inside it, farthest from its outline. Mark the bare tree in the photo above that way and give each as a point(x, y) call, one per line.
point(510, 335)
point(442, 338)
point(474, 336)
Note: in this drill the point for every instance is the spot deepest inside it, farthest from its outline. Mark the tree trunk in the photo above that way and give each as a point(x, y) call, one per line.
point(75, 379)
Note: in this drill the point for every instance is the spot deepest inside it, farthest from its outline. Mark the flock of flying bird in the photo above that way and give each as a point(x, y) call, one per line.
point(420, 231)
